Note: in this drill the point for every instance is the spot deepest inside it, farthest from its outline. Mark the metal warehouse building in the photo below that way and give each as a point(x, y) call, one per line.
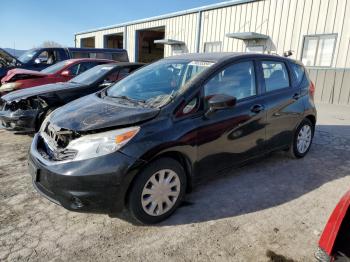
point(316, 31)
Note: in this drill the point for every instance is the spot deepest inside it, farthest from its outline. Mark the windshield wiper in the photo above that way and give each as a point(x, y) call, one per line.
point(161, 100)
point(128, 99)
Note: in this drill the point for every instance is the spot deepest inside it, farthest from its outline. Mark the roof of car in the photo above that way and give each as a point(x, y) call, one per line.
point(131, 63)
point(121, 64)
point(216, 57)
point(76, 60)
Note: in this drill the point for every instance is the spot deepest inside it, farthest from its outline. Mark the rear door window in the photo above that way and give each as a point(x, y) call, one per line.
point(275, 75)
point(86, 66)
point(43, 57)
point(104, 55)
point(93, 55)
point(123, 73)
point(81, 67)
point(112, 77)
point(73, 70)
point(80, 55)
point(120, 56)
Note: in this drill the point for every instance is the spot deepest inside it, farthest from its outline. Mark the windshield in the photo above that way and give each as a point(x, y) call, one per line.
point(92, 75)
point(55, 68)
point(155, 84)
point(27, 56)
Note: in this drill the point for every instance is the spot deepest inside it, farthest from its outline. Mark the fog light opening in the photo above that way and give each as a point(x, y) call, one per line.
point(76, 203)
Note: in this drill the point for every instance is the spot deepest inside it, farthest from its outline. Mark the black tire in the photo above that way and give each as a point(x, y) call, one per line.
point(341, 258)
point(43, 116)
point(293, 150)
point(134, 198)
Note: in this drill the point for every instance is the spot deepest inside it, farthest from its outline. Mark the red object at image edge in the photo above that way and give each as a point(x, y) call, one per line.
point(333, 225)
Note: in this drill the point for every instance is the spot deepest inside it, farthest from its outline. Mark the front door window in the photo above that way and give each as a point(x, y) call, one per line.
point(237, 80)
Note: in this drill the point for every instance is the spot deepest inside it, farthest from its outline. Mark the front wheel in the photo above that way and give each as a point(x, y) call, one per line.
point(40, 120)
point(157, 191)
point(302, 139)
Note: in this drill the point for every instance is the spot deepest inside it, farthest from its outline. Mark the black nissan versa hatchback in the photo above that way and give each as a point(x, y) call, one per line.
point(143, 142)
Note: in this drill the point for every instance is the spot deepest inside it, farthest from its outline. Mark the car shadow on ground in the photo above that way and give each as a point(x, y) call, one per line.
point(268, 182)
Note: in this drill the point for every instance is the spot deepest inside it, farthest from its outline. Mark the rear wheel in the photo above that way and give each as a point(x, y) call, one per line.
point(157, 191)
point(302, 139)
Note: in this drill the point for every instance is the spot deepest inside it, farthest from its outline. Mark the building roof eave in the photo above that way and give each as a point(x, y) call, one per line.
point(170, 15)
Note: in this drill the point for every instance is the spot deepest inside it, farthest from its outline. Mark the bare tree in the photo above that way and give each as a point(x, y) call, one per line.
point(50, 44)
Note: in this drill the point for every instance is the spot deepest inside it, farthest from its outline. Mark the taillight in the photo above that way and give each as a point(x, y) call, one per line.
point(312, 89)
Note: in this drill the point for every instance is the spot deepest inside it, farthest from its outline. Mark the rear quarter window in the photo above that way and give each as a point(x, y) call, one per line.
point(104, 55)
point(299, 72)
point(120, 56)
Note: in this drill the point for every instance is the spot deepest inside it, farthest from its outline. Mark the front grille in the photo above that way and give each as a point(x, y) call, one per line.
point(59, 136)
point(56, 154)
point(53, 142)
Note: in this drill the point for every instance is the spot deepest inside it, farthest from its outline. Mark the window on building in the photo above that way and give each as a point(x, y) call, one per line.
point(318, 50)
point(275, 75)
point(210, 47)
point(88, 42)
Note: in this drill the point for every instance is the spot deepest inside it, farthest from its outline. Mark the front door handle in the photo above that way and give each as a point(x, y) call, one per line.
point(296, 96)
point(257, 108)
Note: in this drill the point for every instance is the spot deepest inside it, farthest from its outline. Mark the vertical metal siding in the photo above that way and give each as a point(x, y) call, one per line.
point(181, 28)
point(340, 50)
point(99, 36)
point(332, 85)
point(285, 21)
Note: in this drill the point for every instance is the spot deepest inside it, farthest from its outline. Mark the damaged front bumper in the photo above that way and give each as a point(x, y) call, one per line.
point(97, 185)
point(19, 121)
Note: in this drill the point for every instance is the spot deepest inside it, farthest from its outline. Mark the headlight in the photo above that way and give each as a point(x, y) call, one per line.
point(90, 146)
point(9, 87)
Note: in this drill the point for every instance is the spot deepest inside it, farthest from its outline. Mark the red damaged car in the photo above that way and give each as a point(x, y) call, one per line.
point(59, 72)
point(334, 244)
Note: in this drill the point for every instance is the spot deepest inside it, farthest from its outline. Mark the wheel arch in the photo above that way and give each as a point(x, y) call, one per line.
point(312, 118)
point(180, 157)
point(184, 161)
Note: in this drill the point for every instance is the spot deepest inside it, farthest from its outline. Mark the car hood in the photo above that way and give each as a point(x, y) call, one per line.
point(8, 57)
point(16, 72)
point(92, 113)
point(39, 90)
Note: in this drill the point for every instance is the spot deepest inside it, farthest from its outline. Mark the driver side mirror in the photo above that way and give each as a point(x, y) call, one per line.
point(218, 102)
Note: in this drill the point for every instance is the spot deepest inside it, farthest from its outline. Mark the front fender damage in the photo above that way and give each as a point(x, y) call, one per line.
point(21, 116)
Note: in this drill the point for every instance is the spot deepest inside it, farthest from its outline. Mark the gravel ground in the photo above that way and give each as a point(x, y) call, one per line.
point(274, 206)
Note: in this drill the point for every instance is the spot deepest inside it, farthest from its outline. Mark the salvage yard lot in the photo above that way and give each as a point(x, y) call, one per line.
point(275, 204)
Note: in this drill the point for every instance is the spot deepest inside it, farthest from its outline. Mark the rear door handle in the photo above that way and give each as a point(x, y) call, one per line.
point(257, 108)
point(296, 96)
